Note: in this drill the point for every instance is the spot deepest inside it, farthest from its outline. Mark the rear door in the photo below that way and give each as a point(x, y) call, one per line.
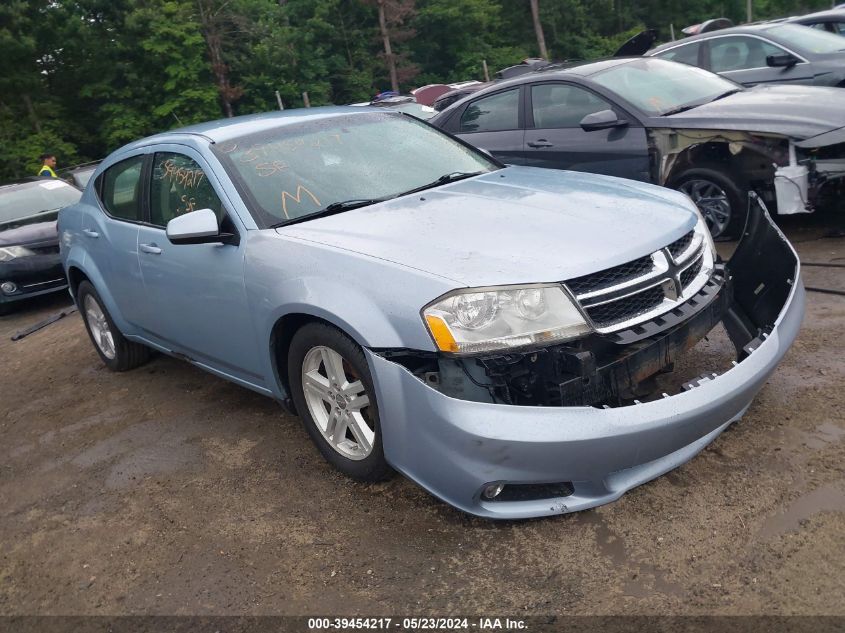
point(743, 59)
point(110, 234)
point(554, 137)
point(494, 123)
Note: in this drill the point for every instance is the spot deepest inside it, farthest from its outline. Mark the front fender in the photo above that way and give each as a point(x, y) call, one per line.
point(375, 302)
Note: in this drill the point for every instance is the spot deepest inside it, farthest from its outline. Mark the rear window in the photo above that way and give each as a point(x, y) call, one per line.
point(121, 189)
point(806, 39)
point(23, 201)
point(492, 114)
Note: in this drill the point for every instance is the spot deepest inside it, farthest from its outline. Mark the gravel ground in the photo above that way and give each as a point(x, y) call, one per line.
point(168, 491)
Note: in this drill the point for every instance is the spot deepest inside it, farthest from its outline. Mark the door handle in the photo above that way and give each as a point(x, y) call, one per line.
point(152, 249)
point(90, 233)
point(540, 142)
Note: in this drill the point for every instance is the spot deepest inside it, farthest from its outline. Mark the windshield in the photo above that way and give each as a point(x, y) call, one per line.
point(657, 86)
point(25, 200)
point(296, 170)
point(807, 39)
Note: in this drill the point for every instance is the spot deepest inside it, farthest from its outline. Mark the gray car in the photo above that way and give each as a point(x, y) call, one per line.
point(491, 332)
point(831, 21)
point(659, 121)
point(764, 53)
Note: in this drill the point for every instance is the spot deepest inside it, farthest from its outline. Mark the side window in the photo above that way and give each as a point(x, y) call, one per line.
point(687, 54)
point(121, 189)
point(740, 53)
point(491, 114)
point(838, 27)
point(563, 105)
point(180, 186)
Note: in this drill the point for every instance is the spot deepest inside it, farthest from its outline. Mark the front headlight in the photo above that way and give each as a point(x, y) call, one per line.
point(8, 253)
point(488, 319)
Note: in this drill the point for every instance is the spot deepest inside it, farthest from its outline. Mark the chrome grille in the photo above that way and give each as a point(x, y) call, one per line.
point(690, 273)
point(611, 276)
point(680, 246)
point(622, 296)
point(608, 314)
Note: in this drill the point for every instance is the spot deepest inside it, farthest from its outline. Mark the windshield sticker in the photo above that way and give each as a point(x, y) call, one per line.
point(296, 198)
point(53, 184)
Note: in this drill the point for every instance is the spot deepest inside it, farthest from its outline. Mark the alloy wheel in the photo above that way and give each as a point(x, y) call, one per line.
point(338, 402)
point(99, 327)
point(713, 203)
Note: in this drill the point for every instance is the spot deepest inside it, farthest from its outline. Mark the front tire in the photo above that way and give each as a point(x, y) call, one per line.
point(722, 202)
point(116, 351)
point(333, 392)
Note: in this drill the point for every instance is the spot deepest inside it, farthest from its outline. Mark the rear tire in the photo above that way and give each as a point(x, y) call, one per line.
point(722, 202)
point(332, 389)
point(116, 351)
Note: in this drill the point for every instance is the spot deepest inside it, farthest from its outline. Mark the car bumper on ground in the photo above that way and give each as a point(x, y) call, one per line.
point(457, 448)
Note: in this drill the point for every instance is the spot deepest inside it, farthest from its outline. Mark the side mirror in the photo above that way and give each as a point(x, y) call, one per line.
point(486, 151)
point(784, 60)
point(196, 227)
point(601, 120)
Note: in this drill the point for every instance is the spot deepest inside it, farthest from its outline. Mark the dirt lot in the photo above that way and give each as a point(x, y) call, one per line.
point(166, 490)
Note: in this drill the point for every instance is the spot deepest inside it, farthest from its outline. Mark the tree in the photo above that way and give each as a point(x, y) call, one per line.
point(216, 22)
point(392, 15)
point(538, 28)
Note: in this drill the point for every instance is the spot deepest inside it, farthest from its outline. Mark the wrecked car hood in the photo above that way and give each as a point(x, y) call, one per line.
point(515, 225)
point(799, 112)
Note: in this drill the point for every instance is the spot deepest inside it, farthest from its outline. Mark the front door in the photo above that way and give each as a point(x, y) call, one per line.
point(557, 140)
point(196, 302)
point(743, 59)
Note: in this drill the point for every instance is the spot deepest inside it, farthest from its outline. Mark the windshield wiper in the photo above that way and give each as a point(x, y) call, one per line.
point(445, 179)
point(680, 109)
point(332, 209)
point(725, 94)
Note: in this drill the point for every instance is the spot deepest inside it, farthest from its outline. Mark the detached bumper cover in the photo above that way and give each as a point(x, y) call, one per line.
point(454, 448)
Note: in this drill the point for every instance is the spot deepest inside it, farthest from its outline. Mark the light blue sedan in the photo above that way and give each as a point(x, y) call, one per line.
point(491, 332)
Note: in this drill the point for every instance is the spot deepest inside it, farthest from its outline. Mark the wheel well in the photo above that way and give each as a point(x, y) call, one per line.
point(280, 338)
point(747, 168)
point(75, 277)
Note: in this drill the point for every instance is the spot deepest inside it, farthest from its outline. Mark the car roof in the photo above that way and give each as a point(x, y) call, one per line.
point(562, 69)
point(753, 29)
point(226, 129)
point(819, 16)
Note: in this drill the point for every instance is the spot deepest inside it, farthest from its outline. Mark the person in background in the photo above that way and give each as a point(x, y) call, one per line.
point(48, 166)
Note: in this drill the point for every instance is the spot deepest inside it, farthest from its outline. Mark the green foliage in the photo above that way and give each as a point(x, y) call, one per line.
point(81, 77)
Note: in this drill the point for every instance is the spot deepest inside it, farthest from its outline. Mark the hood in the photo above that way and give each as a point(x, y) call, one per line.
point(40, 232)
point(799, 112)
point(515, 225)
point(637, 45)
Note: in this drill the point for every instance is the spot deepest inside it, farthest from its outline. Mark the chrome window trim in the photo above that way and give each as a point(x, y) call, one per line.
point(716, 37)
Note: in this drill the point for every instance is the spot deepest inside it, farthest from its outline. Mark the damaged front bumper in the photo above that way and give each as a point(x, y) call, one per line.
point(554, 459)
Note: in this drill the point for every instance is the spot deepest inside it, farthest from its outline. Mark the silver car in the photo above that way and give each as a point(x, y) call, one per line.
point(490, 332)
